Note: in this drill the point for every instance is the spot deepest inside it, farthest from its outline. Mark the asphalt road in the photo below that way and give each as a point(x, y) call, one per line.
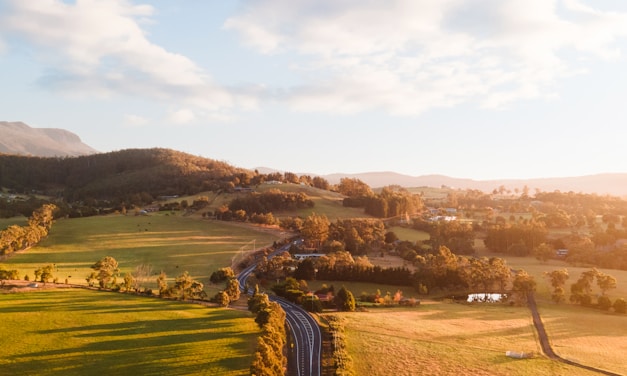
point(305, 332)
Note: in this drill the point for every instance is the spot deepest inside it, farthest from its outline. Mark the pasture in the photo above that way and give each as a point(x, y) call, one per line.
point(170, 243)
point(88, 332)
point(6, 222)
point(441, 338)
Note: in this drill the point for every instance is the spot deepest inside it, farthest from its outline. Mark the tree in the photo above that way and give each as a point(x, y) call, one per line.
point(186, 287)
point(44, 273)
point(523, 285)
point(345, 300)
point(543, 252)
point(558, 279)
point(604, 303)
point(107, 271)
point(222, 275)
point(129, 282)
point(233, 289)
point(620, 305)
point(316, 228)
point(605, 282)
point(162, 284)
point(258, 301)
point(222, 298)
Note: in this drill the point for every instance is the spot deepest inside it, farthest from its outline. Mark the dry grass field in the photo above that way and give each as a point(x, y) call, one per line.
point(443, 338)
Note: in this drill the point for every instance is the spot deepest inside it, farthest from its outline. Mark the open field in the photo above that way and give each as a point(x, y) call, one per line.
point(6, 222)
point(439, 338)
point(83, 332)
point(409, 234)
point(170, 243)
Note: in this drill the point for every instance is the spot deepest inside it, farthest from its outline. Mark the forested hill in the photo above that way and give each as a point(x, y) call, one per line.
point(118, 174)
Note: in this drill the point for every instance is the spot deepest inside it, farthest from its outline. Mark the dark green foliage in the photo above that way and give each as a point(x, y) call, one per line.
point(358, 235)
point(305, 270)
point(270, 201)
point(344, 300)
point(134, 175)
point(222, 275)
point(517, 239)
point(8, 274)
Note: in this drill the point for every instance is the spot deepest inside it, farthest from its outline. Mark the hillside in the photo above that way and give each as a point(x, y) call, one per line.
point(118, 174)
point(19, 138)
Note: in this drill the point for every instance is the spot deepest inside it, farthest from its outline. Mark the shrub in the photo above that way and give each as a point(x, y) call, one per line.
point(620, 306)
point(604, 303)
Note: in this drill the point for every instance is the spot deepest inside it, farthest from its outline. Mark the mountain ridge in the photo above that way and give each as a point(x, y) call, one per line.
point(21, 139)
point(603, 183)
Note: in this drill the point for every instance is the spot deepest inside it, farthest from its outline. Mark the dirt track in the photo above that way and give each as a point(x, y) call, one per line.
point(546, 345)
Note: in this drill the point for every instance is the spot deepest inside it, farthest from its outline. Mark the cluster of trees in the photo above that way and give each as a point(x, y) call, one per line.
point(15, 238)
point(6, 274)
point(342, 361)
point(390, 202)
point(270, 201)
point(581, 290)
point(269, 358)
point(518, 239)
point(231, 291)
point(259, 207)
point(456, 235)
point(106, 273)
point(358, 236)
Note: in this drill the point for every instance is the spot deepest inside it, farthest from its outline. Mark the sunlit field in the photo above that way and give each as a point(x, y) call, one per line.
point(409, 234)
point(439, 338)
point(82, 332)
point(170, 243)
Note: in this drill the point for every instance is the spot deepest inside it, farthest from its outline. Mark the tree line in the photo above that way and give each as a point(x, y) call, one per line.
point(15, 238)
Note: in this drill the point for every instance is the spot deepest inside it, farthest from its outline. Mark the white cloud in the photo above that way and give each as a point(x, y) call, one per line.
point(408, 56)
point(99, 47)
point(135, 120)
point(182, 116)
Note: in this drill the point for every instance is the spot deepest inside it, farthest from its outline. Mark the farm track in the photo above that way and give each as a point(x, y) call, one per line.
point(546, 345)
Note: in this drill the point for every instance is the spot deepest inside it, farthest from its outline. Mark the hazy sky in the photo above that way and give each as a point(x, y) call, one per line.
point(480, 89)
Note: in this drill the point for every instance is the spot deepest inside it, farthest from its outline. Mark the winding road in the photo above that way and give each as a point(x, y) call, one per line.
point(305, 332)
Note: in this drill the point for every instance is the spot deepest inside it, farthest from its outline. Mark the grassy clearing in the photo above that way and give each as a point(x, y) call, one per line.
point(440, 338)
point(81, 332)
point(6, 222)
point(409, 234)
point(171, 243)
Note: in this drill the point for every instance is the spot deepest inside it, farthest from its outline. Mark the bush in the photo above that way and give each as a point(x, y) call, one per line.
point(604, 303)
point(620, 306)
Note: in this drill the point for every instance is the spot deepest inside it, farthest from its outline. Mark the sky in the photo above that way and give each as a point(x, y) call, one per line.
point(480, 89)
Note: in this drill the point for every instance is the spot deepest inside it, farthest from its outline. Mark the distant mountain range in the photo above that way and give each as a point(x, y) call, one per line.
point(21, 139)
point(612, 184)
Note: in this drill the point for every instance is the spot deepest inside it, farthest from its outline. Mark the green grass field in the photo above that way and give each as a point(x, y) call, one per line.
point(6, 222)
point(170, 243)
point(82, 332)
